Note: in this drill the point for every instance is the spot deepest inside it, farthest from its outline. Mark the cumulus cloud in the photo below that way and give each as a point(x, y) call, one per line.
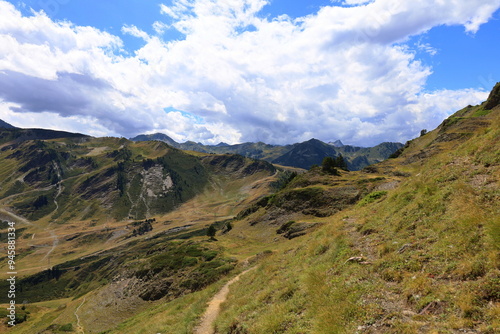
point(341, 73)
point(353, 2)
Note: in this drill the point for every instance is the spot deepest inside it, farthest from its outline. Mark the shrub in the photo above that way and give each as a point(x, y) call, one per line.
point(66, 328)
point(211, 232)
point(329, 165)
point(372, 197)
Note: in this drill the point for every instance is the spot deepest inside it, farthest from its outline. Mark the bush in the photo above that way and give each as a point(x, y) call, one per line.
point(328, 166)
point(372, 197)
point(490, 289)
point(66, 328)
point(211, 232)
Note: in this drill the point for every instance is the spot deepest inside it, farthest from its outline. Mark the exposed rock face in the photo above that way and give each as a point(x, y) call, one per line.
point(155, 182)
point(494, 98)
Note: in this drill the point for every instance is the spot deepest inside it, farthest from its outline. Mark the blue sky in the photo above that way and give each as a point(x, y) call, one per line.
point(462, 60)
point(246, 70)
point(111, 16)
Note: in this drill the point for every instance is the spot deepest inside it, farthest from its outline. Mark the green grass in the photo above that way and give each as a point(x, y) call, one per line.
point(180, 315)
point(431, 245)
point(481, 112)
point(372, 197)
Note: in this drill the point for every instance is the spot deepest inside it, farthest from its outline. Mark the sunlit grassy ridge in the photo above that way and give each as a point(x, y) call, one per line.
point(69, 196)
point(416, 250)
point(410, 245)
point(420, 258)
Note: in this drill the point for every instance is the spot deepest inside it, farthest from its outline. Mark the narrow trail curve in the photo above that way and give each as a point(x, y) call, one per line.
point(79, 326)
point(213, 309)
point(55, 242)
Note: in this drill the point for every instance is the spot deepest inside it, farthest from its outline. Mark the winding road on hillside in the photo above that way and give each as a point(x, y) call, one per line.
point(213, 309)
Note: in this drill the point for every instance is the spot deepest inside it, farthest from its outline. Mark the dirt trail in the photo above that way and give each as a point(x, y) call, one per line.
point(58, 185)
point(79, 326)
point(213, 309)
point(55, 242)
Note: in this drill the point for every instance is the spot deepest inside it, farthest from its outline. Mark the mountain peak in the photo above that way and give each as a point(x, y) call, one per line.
point(314, 140)
point(5, 125)
point(493, 98)
point(337, 143)
point(156, 136)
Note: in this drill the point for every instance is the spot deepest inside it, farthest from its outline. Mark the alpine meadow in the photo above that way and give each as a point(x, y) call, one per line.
point(249, 167)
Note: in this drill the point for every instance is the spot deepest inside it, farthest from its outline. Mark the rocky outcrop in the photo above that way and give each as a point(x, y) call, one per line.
point(494, 98)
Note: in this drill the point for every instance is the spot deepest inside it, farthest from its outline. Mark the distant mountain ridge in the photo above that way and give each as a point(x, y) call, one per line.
point(301, 155)
point(20, 135)
point(5, 125)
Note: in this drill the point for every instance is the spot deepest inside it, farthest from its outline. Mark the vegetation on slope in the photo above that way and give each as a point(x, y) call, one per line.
point(410, 245)
point(74, 189)
point(106, 176)
point(415, 249)
point(420, 258)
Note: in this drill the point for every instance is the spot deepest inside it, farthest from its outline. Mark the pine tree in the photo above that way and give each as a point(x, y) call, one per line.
point(211, 232)
point(341, 163)
point(329, 165)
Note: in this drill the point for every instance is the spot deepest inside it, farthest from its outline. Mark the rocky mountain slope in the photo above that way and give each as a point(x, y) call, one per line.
point(408, 245)
point(419, 252)
point(76, 176)
point(5, 125)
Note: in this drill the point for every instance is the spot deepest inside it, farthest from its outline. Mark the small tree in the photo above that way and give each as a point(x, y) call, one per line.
point(341, 163)
point(329, 165)
point(211, 232)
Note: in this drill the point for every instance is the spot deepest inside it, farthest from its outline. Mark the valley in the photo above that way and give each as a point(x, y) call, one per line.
point(112, 236)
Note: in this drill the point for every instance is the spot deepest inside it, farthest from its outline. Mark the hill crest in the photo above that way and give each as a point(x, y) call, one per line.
point(300, 155)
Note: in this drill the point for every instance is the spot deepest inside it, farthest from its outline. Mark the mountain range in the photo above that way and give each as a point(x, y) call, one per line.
point(115, 236)
point(300, 155)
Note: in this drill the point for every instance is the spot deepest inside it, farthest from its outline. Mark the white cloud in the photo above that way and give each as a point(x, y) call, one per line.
point(343, 72)
point(136, 32)
point(355, 2)
point(426, 47)
point(160, 27)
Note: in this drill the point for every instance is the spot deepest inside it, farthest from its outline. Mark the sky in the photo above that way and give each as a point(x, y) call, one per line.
point(277, 71)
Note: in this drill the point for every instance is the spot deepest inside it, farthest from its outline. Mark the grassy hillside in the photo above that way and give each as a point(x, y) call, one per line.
point(107, 219)
point(409, 245)
point(414, 247)
point(65, 179)
point(417, 254)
